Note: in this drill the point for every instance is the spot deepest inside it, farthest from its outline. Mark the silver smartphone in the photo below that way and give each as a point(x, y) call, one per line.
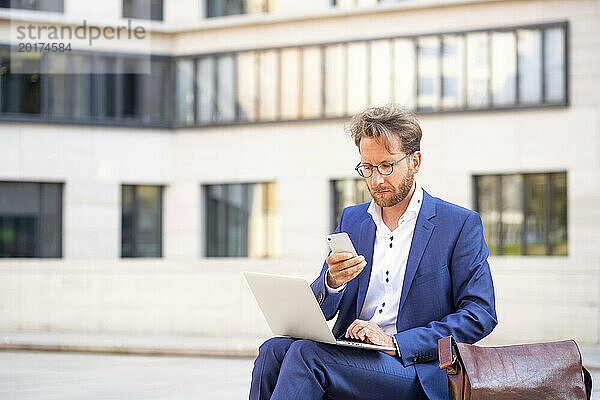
point(341, 243)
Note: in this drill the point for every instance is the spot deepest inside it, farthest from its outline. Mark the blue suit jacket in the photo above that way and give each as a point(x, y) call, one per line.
point(447, 287)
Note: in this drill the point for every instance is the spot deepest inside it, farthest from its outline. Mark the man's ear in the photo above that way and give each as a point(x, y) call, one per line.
point(415, 161)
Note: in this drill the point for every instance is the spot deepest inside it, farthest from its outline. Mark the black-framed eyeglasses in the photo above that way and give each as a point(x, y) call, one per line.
point(385, 168)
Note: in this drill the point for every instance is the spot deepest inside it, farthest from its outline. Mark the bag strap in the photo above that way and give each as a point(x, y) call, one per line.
point(446, 352)
point(587, 380)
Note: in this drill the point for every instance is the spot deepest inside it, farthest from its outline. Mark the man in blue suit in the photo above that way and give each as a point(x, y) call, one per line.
point(421, 274)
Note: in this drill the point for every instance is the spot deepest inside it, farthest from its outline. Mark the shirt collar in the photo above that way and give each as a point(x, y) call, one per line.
point(414, 206)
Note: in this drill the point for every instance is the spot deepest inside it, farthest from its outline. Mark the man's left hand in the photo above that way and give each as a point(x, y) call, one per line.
point(370, 332)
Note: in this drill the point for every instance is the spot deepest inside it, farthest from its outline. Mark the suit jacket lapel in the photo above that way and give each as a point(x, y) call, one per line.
point(365, 248)
point(423, 230)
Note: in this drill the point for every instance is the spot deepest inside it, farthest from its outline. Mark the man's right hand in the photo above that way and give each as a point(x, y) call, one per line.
point(343, 267)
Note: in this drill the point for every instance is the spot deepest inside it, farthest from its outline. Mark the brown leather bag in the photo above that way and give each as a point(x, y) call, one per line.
point(529, 371)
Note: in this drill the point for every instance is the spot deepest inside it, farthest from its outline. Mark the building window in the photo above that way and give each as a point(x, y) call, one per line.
point(484, 69)
point(88, 88)
point(473, 70)
point(347, 192)
point(221, 8)
point(19, 93)
point(428, 70)
point(105, 88)
point(241, 220)
point(143, 9)
point(31, 219)
point(141, 221)
point(70, 81)
point(36, 5)
point(523, 214)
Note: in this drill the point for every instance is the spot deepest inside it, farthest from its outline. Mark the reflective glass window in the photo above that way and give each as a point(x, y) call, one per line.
point(20, 91)
point(59, 87)
point(530, 66)
point(157, 103)
point(141, 221)
point(381, 72)
point(30, 219)
point(290, 83)
point(478, 71)
point(405, 73)
point(357, 76)
point(428, 74)
point(453, 71)
point(143, 9)
point(345, 193)
point(247, 85)
point(225, 88)
point(206, 90)
point(335, 100)
point(269, 75)
point(241, 220)
point(554, 62)
point(504, 68)
point(312, 86)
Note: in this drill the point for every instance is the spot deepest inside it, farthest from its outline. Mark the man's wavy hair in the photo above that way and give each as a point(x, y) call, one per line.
point(391, 124)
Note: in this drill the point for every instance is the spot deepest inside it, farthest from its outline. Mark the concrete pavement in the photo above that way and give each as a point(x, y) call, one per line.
point(30, 375)
point(223, 364)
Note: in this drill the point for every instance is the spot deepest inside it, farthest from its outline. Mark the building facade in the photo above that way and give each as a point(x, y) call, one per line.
point(132, 198)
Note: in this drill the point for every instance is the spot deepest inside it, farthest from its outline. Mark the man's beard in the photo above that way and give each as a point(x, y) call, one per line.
point(396, 195)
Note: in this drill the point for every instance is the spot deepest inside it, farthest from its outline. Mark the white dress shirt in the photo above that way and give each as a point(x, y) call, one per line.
point(389, 264)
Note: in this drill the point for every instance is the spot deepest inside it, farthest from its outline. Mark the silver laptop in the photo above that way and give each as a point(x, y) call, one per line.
point(290, 308)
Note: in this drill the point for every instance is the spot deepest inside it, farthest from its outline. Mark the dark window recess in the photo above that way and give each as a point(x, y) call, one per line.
point(240, 220)
point(143, 9)
point(105, 88)
point(130, 93)
point(36, 5)
point(345, 193)
point(19, 93)
point(523, 214)
point(141, 221)
point(31, 219)
point(221, 8)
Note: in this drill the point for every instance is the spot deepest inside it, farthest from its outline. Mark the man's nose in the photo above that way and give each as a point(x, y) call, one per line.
point(376, 178)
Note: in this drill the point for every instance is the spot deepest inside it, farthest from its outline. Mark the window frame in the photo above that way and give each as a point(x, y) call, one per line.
point(136, 215)
point(223, 250)
point(150, 18)
point(61, 9)
point(118, 120)
point(321, 115)
point(334, 197)
point(548, 197)
point(60, 221)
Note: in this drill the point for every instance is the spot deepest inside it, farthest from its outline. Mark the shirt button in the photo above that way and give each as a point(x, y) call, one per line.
point(382, 304)
point(380, 311)
point(391, 238)
point(387, 280)
point(390, 245)
point(387, 272)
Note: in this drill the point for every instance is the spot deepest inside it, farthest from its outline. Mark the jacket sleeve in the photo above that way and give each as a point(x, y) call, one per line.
point(473, 296)
point(329, 302)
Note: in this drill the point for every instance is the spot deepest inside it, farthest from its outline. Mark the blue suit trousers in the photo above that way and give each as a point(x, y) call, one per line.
point(288, 369)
